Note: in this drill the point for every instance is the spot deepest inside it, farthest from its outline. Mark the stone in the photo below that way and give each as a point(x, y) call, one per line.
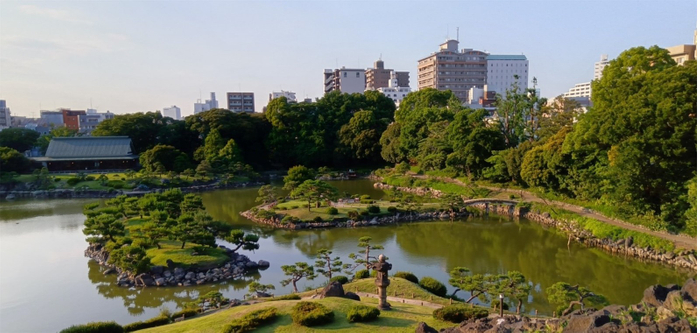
point(586, 323)
point(691, 288)
point(157, 269)
point(259, 294)
point(656, 294)
point(179, 271)
point(251, 265)
point(160, 282)
point(351, 295)
point(424, 328)
point(167, 274)
point(334, 289)
point(263, 264)
point(109, 271)
point(189, 276)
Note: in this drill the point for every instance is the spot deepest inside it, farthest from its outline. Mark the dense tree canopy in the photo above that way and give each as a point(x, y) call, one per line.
point(168, 157)
point(13, 161)
point(19, 139)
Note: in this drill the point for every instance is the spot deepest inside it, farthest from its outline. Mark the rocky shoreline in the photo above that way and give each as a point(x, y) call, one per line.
point(161, 276)
point(75, 194)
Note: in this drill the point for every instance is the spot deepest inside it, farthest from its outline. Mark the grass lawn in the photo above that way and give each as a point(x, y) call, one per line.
point(171, 250)
point(303, 213)
point(402, 318)
point(399, 287)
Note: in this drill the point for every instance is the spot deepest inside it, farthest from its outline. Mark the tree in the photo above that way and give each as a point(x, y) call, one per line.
point(478, 285)
point(691, 215)
point(297, 175)
point(240, 239)
point(19, 139)
point(390, 142)
point(163, 156)
point(13, 161)
point(131, 259)
point(326, 264)
point(567, 297)
point(562, 112)
point(188, 229)
point(104, 226)
point(158, 227)
point(297, 272)
point(361, 135)
point(514, 286)
point(472, 142)
point(511, 111)
point(143, 129)
point(452, 201)
point(315, 191)
point(103, 179)
point(210, 150)
point(204, 169)
point(255, 287)
point(364, 242)
point(213, 297)
point(229, 155)
point(266, 194)
point(191, 203)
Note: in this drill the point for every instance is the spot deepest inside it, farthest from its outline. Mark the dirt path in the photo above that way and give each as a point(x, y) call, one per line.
point(680, 241)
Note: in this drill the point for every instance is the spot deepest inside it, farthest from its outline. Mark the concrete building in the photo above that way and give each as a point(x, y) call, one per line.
point(92, 118)
point(345, 80)
point(5, 117)
point(599, 66)
point(379, 77)
point(172, 112)
point(682, 53)
point(51, 118)
point(579, 90)
point(291, 96)
point(207, 105)
point(241, 101)
point(452, 69)
point(71, 118)
point(394, 90)
point(506, 70)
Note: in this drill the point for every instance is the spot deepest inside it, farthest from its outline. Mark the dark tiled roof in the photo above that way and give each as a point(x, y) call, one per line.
point(93, 147)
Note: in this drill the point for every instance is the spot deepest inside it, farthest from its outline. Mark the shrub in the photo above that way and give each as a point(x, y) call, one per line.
point(318, 219)
point(115, 184)
point(391, 209)
point(365, 197)
point(285, 297)
point(407, 276)
point(367, 201)
point(332, 210)
point(456, 313)
point(186, 312)
point(73, 181)
point(362, 313)
point(364, 212)
point(90, 178)
point(311, 314)
point(251, 321)
point(353, 214)
point(361, 274)
point(433, 286)
point(57, 180)
point(295, 206)
point(95, 327)
point(340, 278)
point(153, 322)
point(373, 209)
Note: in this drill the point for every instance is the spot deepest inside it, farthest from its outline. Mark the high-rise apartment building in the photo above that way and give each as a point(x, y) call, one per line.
point(207, 105)
point(291, 96)
point(452, 69)
point(91, 119)
point(241, 101)
point(379, 77)
point(682, 53)
point(394, 90)
point(579, 90)
point(504, 71)
point(172, 112)
point(5, 117)
point(51, 118)
point(599, 66)
point(71, 118)
point(345, 80)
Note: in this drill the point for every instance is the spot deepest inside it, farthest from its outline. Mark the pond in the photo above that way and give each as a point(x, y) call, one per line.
point(47, 284)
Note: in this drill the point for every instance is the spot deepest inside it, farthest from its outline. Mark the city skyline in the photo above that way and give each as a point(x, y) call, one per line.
point(142, 56)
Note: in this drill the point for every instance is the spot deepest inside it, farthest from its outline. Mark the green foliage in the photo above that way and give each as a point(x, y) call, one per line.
point(456, 313)
point(252, 321)
point(130, 258)
point(163, 157)
point(297, 175)
point(297, 272)
point(248, 242)
point(315, 191)
point(361, 274)
point(372, 209)
point(311, 314)
point(359, 138)
point(362, 313)
point(104, 225)
point(406, 276)
point(95, 327)
point(153, 322)
point(266, 194)
point(342, 279)
point(13, 161)
point(289, 297)
point(563, 294)
point(326, 264)
point(332, 211)
point(434, 286)
point(72, 181)
point(187, 313)
point(496, 304)
point(19, 139)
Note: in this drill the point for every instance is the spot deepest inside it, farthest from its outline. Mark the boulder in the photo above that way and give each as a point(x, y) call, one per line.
point(351, 295)
point(157, 269)
point(110, 271)
point(251, 265)
point(259, 294)
point(263, 264)
point(167, 274)
point(160, 282)
point(178, 271)
point(656, 294)
point(424, 328)
point(335, 289)
point(189, 276)
point(587, 323)
point(691, 288)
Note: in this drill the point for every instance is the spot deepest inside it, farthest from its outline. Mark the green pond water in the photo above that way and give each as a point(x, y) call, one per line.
point(47, 284)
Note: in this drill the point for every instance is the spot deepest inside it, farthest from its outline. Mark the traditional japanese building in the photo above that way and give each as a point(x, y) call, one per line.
point(89, 153)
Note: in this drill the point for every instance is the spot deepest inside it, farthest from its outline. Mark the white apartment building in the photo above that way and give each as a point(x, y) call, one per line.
point(579, 90)
point(394, 91)
point(172, 112)
point(505, 70)
point(207, 105)
point(5, 117)
point(291, 96)
point(345, 80)
point(89, 121)
point(599, 66)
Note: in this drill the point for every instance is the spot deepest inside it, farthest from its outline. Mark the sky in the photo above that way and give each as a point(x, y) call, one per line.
point(133, 56)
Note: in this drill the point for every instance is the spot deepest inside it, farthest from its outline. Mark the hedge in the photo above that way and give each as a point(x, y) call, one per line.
point(433, 286)
point(373, 209)
point(361, 274)
point(186, 312)
point(362, 313)
point(285, 297)
point(251, 321)
point(95, 327)
point(153, 322)
point(340, 278)
point(311, 314)
point(407, 276)
point(457, 313)
point(332, 210)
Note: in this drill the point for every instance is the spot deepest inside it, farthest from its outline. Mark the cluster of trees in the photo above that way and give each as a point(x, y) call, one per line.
point(15, 141)
point(167, 216)
point(634, 149)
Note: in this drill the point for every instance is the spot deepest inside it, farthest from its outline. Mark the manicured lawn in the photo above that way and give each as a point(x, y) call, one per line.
point(171, 250)
point(303, 213)
point(402, 318)
point(399, 287)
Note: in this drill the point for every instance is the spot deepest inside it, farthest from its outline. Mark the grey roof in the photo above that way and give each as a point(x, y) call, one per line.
point(505, 57)
point(90, 147)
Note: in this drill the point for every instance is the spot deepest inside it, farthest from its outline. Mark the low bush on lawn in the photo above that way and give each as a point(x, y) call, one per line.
point(311, 314)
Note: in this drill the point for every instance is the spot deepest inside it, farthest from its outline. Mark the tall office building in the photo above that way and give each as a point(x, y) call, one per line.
point(504, 71)
point(207, 105)
point(345, 80)
point(241, 101)
point(379, 77)
point(172, 112)
point(599, 66)
point(452, 69)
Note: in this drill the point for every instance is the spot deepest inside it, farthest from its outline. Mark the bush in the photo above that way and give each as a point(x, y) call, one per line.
point(364, 212)
point(311, 314)
point(186, 312)
point(251, 321)
point(456, 313)
point(90, 178)
point(318, 219)
point(391, 209)
point(361, 274)
point(407, 276)
point(115, 184)
point(433, 286)
point(295, 206)
point(353, 214)
point(285, 297)
point(373, 209)
point(367, 201)
point(362, 313)
point(332, 210)
point(340, 278)
point(153, 322)
point(95, 327)
point(57, 180)
point(73, 181)
point(365, 197)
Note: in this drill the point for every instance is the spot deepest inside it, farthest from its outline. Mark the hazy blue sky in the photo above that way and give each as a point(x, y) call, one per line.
point(130, 56)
